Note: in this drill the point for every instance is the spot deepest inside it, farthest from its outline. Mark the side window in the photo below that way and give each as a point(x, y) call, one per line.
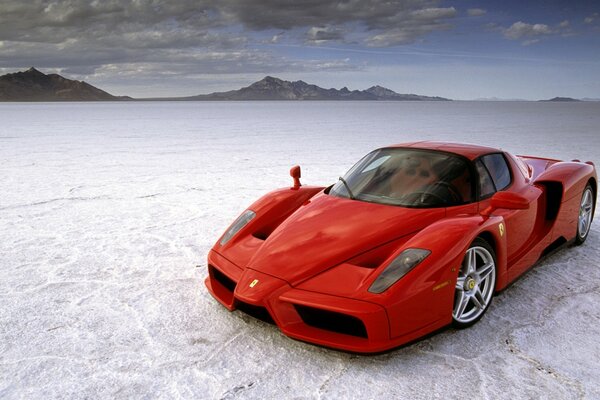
point(498, 169)
point(486, 185)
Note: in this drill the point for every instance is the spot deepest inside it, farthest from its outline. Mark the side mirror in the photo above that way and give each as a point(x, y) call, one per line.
point(506, 200)
point(296, 173)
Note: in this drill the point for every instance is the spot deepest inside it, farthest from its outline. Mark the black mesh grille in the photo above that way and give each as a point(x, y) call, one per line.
point(257, 312)
point(221, 278)
point(332, 321)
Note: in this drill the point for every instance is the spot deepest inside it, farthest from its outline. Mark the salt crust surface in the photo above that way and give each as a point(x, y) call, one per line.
point(106, 209)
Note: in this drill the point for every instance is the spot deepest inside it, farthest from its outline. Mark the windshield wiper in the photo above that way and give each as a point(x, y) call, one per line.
point(347, 188)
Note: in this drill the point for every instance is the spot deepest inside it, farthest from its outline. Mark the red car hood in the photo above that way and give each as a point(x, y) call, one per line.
point(329, 230)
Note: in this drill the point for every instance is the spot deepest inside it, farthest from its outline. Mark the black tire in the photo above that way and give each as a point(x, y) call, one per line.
point(586, 213)
point(475, 286)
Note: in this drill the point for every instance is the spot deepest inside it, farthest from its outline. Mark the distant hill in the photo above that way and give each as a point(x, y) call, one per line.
point(33, 85)
point(562, 99)
point(270, 88)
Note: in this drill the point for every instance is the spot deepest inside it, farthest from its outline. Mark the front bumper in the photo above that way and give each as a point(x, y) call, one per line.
point(323, 319)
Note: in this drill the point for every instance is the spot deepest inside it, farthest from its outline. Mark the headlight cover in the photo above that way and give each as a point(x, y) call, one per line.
point(238, 224)
point(401, 265)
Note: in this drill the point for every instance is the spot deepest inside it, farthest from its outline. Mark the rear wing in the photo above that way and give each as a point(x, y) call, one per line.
point(537, 165)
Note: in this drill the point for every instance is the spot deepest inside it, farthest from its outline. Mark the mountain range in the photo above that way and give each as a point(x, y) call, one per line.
point(270, 88)
point(33, 85)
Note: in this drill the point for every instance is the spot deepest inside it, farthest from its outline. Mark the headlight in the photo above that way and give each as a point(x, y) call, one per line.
point(401, 265)
point(238, 224)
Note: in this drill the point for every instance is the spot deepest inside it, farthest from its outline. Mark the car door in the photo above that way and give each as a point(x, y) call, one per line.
point(496, 174)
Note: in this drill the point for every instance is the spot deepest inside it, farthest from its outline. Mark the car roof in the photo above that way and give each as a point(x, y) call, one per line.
point(470, 151)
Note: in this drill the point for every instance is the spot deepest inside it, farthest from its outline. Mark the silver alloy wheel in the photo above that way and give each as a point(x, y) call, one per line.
point(585, 213)
point(475, 285)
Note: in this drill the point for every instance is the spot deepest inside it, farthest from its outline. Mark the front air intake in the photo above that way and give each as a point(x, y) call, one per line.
point(221, 278)
point(332, 321)
point(257, 312)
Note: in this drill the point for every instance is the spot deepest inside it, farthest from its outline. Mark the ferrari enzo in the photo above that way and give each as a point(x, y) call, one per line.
point(413, 238)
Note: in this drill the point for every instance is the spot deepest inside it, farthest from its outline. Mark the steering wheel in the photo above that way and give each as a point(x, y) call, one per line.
point(432, 191)
point(452, 190)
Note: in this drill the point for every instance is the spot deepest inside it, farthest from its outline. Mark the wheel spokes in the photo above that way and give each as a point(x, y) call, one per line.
point(582, 226)
point(485, 270)
point(460, 283)
point(463, 301)
point(474, 285)
point(587, 199)
point(478, 299)
point(585, 213)
point(471, 261)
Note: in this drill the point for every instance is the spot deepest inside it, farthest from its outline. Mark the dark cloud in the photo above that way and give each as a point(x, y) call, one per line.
point(152, 21)
point(56, 21)
point(420, 23)
point(166, 38)
point(286, 14)
point(383, 22)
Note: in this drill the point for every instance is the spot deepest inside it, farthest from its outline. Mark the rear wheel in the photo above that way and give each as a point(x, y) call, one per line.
point(475, 284)
point(586, 212)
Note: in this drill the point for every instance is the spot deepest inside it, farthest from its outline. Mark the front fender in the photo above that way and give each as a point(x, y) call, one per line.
point(271, 210)
point(425, 296)
point(449, 240)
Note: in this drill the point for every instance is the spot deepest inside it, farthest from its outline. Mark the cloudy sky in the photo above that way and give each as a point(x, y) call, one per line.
point(459, 49)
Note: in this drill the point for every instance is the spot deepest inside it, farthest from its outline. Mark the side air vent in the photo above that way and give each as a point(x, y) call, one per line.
point(332, 321)
point(554, 193)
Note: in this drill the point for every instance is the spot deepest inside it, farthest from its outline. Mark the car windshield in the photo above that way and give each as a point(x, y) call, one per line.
point(408, 177)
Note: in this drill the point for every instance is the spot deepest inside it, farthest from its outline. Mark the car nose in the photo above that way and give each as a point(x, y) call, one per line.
point(255, 287)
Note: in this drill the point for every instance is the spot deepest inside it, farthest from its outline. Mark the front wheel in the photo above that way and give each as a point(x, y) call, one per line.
point(475, 284)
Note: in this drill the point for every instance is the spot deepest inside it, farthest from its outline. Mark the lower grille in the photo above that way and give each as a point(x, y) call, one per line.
point(221, 278)
point(332, 321)
point(257, 312)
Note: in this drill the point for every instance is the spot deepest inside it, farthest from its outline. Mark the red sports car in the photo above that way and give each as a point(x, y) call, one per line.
point(413, 238)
